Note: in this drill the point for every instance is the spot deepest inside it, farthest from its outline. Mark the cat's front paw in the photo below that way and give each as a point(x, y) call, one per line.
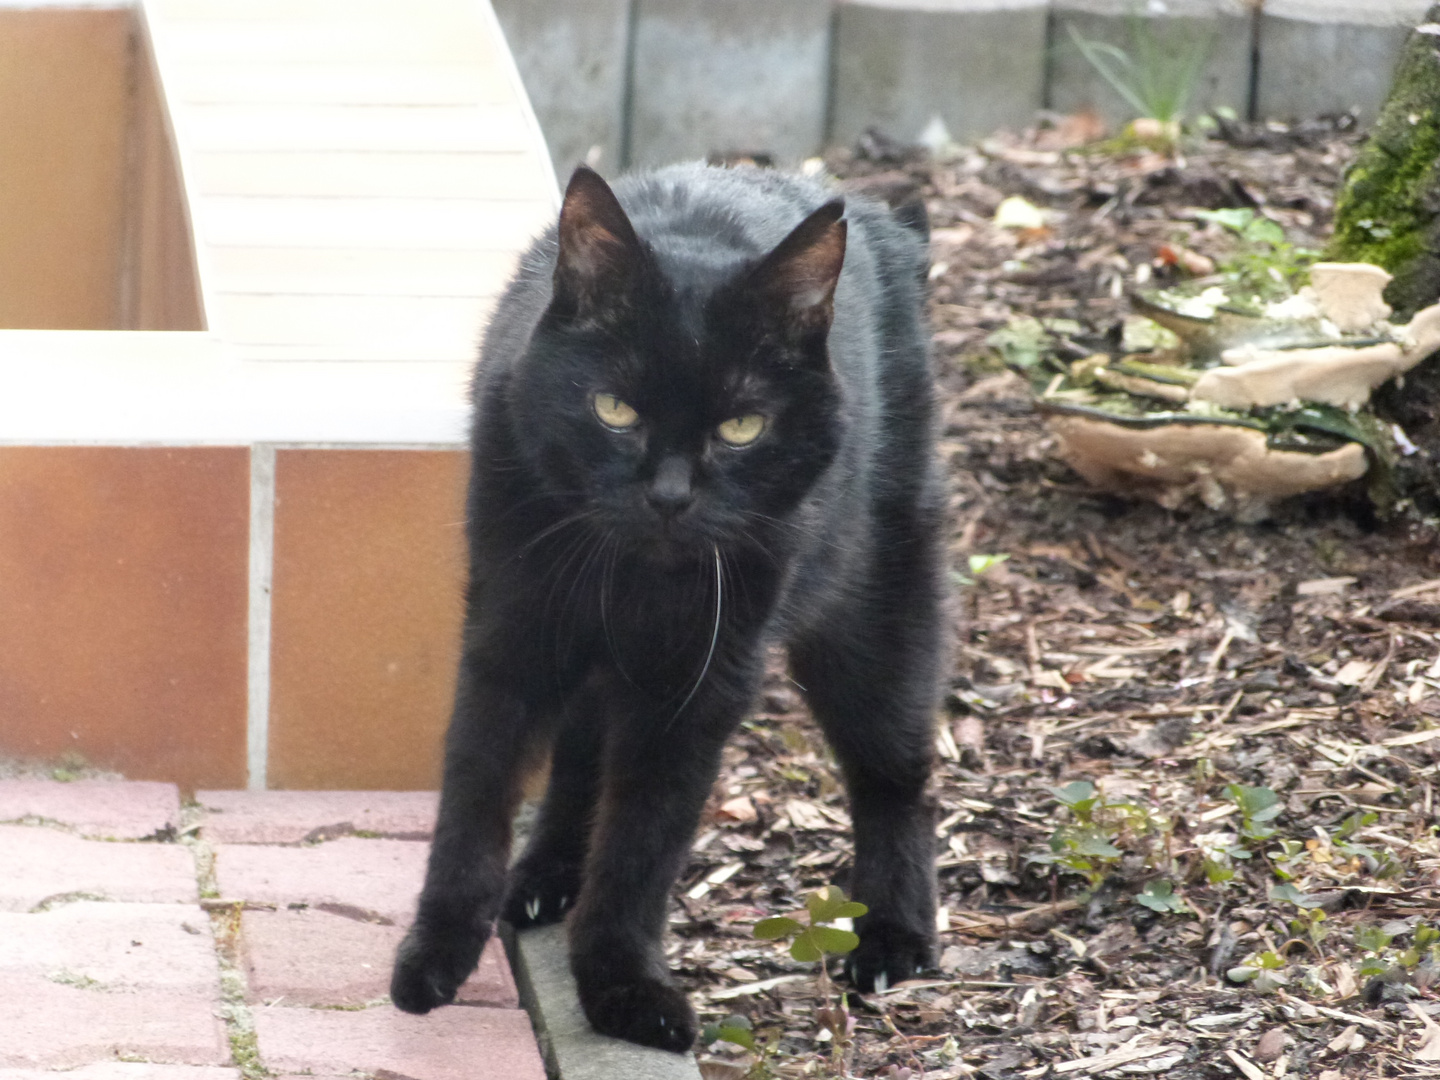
point(642, 1011)
point(541, 892)
point(430, 967)
point(888, 954)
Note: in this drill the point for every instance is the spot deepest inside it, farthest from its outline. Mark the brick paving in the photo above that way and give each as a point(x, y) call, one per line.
point(113, 968)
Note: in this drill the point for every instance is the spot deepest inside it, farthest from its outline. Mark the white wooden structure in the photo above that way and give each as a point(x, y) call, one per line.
point(245, 231)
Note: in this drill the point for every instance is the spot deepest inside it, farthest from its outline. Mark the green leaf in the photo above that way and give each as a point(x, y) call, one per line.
point(1271, 960)
point(825, 904)
point(805, 950)
point(851, 909)
point(833, 940)
point(733, 1029)
point(1097, 846)
point(1160, 896)
point(1372, 938)
point(1241, 974)
point(1233, 219)
point(1262, 230)
point(1291, 894)
point(981, 563)
point(1022, 342)
point(1217, 873)
point(1076, 791)
point(778, 926)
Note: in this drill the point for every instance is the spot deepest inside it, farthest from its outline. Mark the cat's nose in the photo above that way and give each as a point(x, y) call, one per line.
point(671, 491)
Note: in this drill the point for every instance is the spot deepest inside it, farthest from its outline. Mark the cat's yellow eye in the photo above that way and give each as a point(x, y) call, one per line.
point(614, 413)
point(742, 430)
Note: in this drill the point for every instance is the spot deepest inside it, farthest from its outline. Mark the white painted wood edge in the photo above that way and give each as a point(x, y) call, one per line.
point(142, 388)
point(532, 123)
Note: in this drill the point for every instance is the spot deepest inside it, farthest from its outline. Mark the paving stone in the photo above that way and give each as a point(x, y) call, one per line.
point(899, 63)
point(53, 1026)
point(382, 877)
point(114, 946)
point(288, 817)
point(453, 1043)
point(48, 864)
point(1321, 57)
point(315, 957)
point(1185, 25)
point(572, 1049)
point(127, 1070)
point(572, 60)
point(116, 809)
point(728, 75)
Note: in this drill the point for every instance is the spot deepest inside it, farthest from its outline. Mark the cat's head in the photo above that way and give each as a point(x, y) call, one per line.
point(677, 390)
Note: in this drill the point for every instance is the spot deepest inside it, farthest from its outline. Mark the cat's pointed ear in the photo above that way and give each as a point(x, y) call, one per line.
point(599, 252)
point(797, 280)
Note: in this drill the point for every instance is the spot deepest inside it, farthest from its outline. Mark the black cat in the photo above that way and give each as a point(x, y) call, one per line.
point(695, 433)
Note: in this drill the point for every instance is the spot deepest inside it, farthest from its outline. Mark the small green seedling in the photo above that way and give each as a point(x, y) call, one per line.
point(1090, 843)
point(1266, 265)
point(1263, 970)
point(809, 943)
point(1258, 807)
point(736, 1030)
point(1374, 941)
point(816, 942)
point(979, 565)
point(1160, 896)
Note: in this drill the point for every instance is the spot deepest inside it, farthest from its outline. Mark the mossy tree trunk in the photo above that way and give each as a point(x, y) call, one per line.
point(1388, 211)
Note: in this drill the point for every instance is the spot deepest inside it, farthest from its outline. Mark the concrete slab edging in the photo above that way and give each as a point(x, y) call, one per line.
point(540, 963)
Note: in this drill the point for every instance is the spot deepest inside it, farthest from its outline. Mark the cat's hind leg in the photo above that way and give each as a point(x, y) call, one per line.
point(545, 881)
point(871, 677)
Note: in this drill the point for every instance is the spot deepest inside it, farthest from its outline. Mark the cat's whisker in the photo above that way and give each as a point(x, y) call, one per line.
point(607, 580)
point(714, 637)
point(551, 530)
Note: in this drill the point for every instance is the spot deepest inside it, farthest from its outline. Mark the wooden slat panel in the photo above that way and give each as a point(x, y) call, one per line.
point(340, 41)
point(337, 84)
point(421, 128)
point(359, 355)
point(503, 176)
point(362, 173)
point(370, 223)
point(325, 271)
point(319, 320)
point(327, 11)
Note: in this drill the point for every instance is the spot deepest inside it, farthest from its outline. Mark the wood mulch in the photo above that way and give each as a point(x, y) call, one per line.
point(1159, 655)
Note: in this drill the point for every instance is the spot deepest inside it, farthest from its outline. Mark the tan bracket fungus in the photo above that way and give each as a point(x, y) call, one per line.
point(1337, 375)
point(1229, 465)
point(1226, 467)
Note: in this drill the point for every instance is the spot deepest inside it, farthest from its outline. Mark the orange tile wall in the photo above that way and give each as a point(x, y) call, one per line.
point(123, 601)
point(365, 615)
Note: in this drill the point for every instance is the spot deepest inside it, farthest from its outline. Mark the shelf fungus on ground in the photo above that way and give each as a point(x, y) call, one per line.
point(1243, 407)
point(1226, 466)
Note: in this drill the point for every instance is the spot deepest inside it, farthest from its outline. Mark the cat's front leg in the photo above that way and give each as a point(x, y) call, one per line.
point(486, 748)
point(654, 783)
point(545, 881)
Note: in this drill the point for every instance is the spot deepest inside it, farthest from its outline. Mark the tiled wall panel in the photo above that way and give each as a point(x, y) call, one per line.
point(123, 609)
point(365, 617)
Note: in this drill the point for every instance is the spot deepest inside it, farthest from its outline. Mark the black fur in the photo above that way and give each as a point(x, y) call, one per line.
point(624, 583)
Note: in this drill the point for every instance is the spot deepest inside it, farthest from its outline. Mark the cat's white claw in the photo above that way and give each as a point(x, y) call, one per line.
point(565, 903)
point(882, 982)
point(532, 907)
